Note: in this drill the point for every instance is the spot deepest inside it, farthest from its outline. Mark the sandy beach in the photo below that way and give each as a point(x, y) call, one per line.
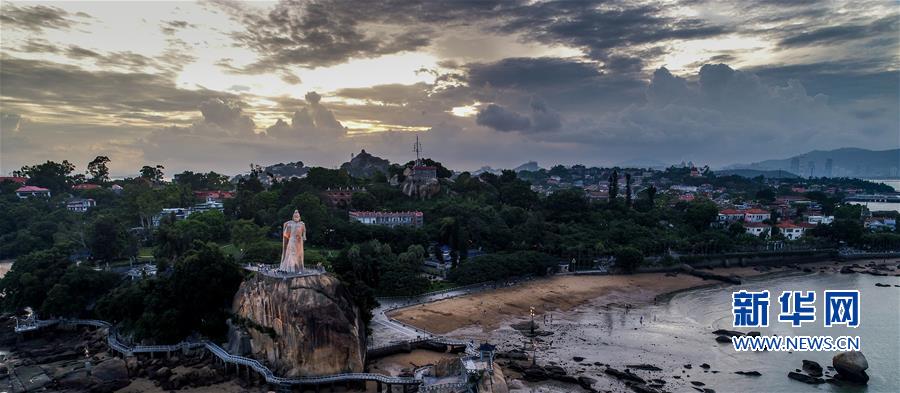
point(488, 310)
point(592, 327)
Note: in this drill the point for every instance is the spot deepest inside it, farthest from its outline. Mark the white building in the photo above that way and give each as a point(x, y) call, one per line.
point(756, 228)
point(80, 205)
point(32, 191)
point(816, 220)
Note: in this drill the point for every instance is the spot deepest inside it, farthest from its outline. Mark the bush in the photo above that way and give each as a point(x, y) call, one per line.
point(628, 259)
point(498, 266)
point(262, 252)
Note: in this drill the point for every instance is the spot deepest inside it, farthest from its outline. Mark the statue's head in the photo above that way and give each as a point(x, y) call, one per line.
point(296, 215)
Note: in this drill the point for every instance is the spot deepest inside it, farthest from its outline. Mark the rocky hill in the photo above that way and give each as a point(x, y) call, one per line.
point(299, 326)
point(366, 165)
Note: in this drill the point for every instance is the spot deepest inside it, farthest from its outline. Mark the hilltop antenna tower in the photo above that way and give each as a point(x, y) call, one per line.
point(418, 149)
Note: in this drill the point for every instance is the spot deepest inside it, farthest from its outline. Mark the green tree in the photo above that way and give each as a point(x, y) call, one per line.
point(152, 174)
point(98, 170)
point(363, 201)
point(52, 175)
point(245, 232)
point(109, 240)
point(628, 190)
point(629, 259)
point(76, 291)
point(28, 281)
point(699, 214)
point(613, 186)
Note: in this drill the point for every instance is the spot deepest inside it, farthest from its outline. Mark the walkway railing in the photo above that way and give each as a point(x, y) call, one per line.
point(268, 270)
point(117, 345)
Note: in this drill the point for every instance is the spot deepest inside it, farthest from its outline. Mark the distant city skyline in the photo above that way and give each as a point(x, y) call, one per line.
point(217, 85)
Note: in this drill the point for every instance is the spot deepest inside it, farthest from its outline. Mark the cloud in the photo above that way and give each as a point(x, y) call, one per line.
point(842, 33)
point(228, 115)
point(531, 73)
point(502, 119)
point(311, 124)
point(499, 118)
point(9, 122)
point(38, 17)
point(93, 93)
point(316, 34)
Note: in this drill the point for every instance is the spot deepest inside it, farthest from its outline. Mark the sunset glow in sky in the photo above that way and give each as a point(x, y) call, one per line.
point(217, 85)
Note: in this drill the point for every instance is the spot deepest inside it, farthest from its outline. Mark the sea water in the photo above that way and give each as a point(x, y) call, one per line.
point(879, 331)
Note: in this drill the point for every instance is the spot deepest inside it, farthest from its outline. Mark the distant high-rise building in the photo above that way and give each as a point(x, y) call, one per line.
point(829, 167)
point(795, 165)
point(811, 165)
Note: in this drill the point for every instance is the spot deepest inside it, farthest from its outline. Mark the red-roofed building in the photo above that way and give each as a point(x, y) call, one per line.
point(14, 179)
point(790, 230)
point(341, 197)
point(756, 215)
point(211, 196)
point(85, 186)
point(755, 228)
point(391, 219)
point(32, 191)
point(730, 215)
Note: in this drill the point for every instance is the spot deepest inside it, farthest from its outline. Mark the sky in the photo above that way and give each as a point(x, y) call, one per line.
point(218, 85)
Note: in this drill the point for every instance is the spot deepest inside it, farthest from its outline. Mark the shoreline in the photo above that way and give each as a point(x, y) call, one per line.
point(560, 294)
point(566, 292)
point(586, 334)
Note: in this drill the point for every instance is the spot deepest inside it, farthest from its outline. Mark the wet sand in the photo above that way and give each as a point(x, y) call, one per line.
point(488, 310)
point(590, 321)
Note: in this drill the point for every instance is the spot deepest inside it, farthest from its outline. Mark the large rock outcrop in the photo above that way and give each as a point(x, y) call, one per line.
point(299, 326)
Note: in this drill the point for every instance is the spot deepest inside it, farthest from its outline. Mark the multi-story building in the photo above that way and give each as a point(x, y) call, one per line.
point(391, 219)
point(756, 215)
point(80, 205)
point(32, 191)
point(756, 228)
point(790, 230)
point(341, 196)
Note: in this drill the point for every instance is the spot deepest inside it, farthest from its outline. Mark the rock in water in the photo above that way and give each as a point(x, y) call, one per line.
point(812, 368)
point(851, 366)
point(300, 326)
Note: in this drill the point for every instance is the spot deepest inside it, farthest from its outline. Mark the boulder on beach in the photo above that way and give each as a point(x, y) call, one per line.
point(851, 366)
point(812, 368)
point(805, 378)
point(729, 333)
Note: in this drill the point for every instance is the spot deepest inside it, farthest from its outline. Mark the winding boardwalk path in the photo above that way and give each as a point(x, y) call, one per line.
point(125, 349)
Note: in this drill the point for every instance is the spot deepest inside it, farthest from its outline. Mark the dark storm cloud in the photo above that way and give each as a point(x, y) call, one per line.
point(56, 85)
point(842, 33)
point(541, 119)
point(37, 18)
point(502, 119)
point(316, 34)
point(530, 73)
point(842, 81)
point(603, 30)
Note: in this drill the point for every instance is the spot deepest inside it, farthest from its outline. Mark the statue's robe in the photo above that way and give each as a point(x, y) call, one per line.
point(294, 233)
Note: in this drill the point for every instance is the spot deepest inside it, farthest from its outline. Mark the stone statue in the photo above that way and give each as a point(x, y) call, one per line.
point(293, 234)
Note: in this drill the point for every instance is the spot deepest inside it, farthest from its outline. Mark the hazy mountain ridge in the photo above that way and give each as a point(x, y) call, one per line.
point(845, 162)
